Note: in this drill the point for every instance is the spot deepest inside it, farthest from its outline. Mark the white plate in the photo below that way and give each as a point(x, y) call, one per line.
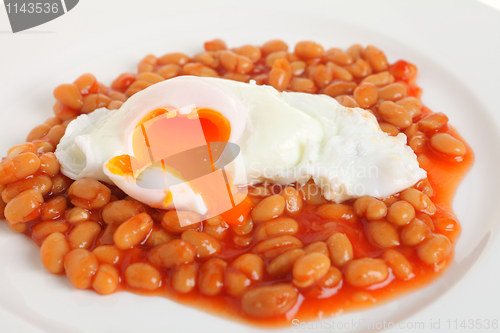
point(454, 44)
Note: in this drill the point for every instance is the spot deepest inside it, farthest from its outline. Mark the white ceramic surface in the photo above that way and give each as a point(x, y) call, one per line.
point(455, 45)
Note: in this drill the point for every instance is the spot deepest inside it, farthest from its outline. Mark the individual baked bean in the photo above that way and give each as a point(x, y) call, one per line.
point(52, 121)
point(394, 114)
point(86, 83)
point(44, 146)
point(298, 68)
point(77, 215)
point(42, 229)
point(359, 69)
point(150, 77)
point(115, 105)
point(355, 51)
point(337, 56)
point(269, 208)
point(80, 266)
point(41, 183)
point(136, 86)
point(197, 69)
point(251, 265)
point(338, 88)
point(177, 222)
point(401, 213)
point(384, 234)
point(400, 266)
point(321, 74)
point(174, 58)
point(425, 186)
point(158, 236)
point(312, 193)
point(347, 101)
point(106, 280)
point(419, 201)
point(83, 234)
point(269, 301)
point(211, 277)
point(432, 122)
point(309, 269)
point(123, 81)
point(56, 133)
point(26, 206)
point(54, 208)
point(375, 58)
point(94, 101)
point(38, 132)
point(283, 264)
point(366, 95)
point(215, 45)
point(276, 227)
point(389, 129)
point(261, 79)
point(22, 148)
point(16, 227)
point(150, 60)
point(272, 247)
point(52, 252)
point(403, 70)
point(272, 57)
point(13, 169)
point(412, 105)
point(64, 113)
point(108, 254)
point(243, 240)
point(418, 142)
point(228, 60)
point(142, 276)
point(411, 130)
point(339, 72)
point(106, 237)
point(245, 228)
point(434, 249)
point(251, 52)
point(259, 191)
point(447, 144)
point(69, 95)
point(300, 84)
point(338, 212)
point(366, 272)
point(236, 77)
point(172, 254)
point(340, 249)
point(318, 246)
point(379, 79)
point(309, 50)
point(423, 161)
point(392, 92)
point(219, 231)
point(49, 164)
point(184, 277)
point(279, 79)
point(89, 193)
point(206, 246)
point(207, 58)
point(274, 45)
point(133, 231)
point(169, 71)
point(323, 288)
point(120, 211)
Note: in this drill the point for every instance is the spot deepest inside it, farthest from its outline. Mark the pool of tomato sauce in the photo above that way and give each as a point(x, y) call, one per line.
point(444, 173)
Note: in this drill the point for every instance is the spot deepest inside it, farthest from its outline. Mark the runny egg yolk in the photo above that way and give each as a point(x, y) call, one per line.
point(216, 127)
point(120, 165)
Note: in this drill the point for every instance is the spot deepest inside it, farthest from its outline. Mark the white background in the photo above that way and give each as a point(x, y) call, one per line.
point(476, 296)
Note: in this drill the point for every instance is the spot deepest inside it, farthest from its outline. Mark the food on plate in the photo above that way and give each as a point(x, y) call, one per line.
point(257, 182)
